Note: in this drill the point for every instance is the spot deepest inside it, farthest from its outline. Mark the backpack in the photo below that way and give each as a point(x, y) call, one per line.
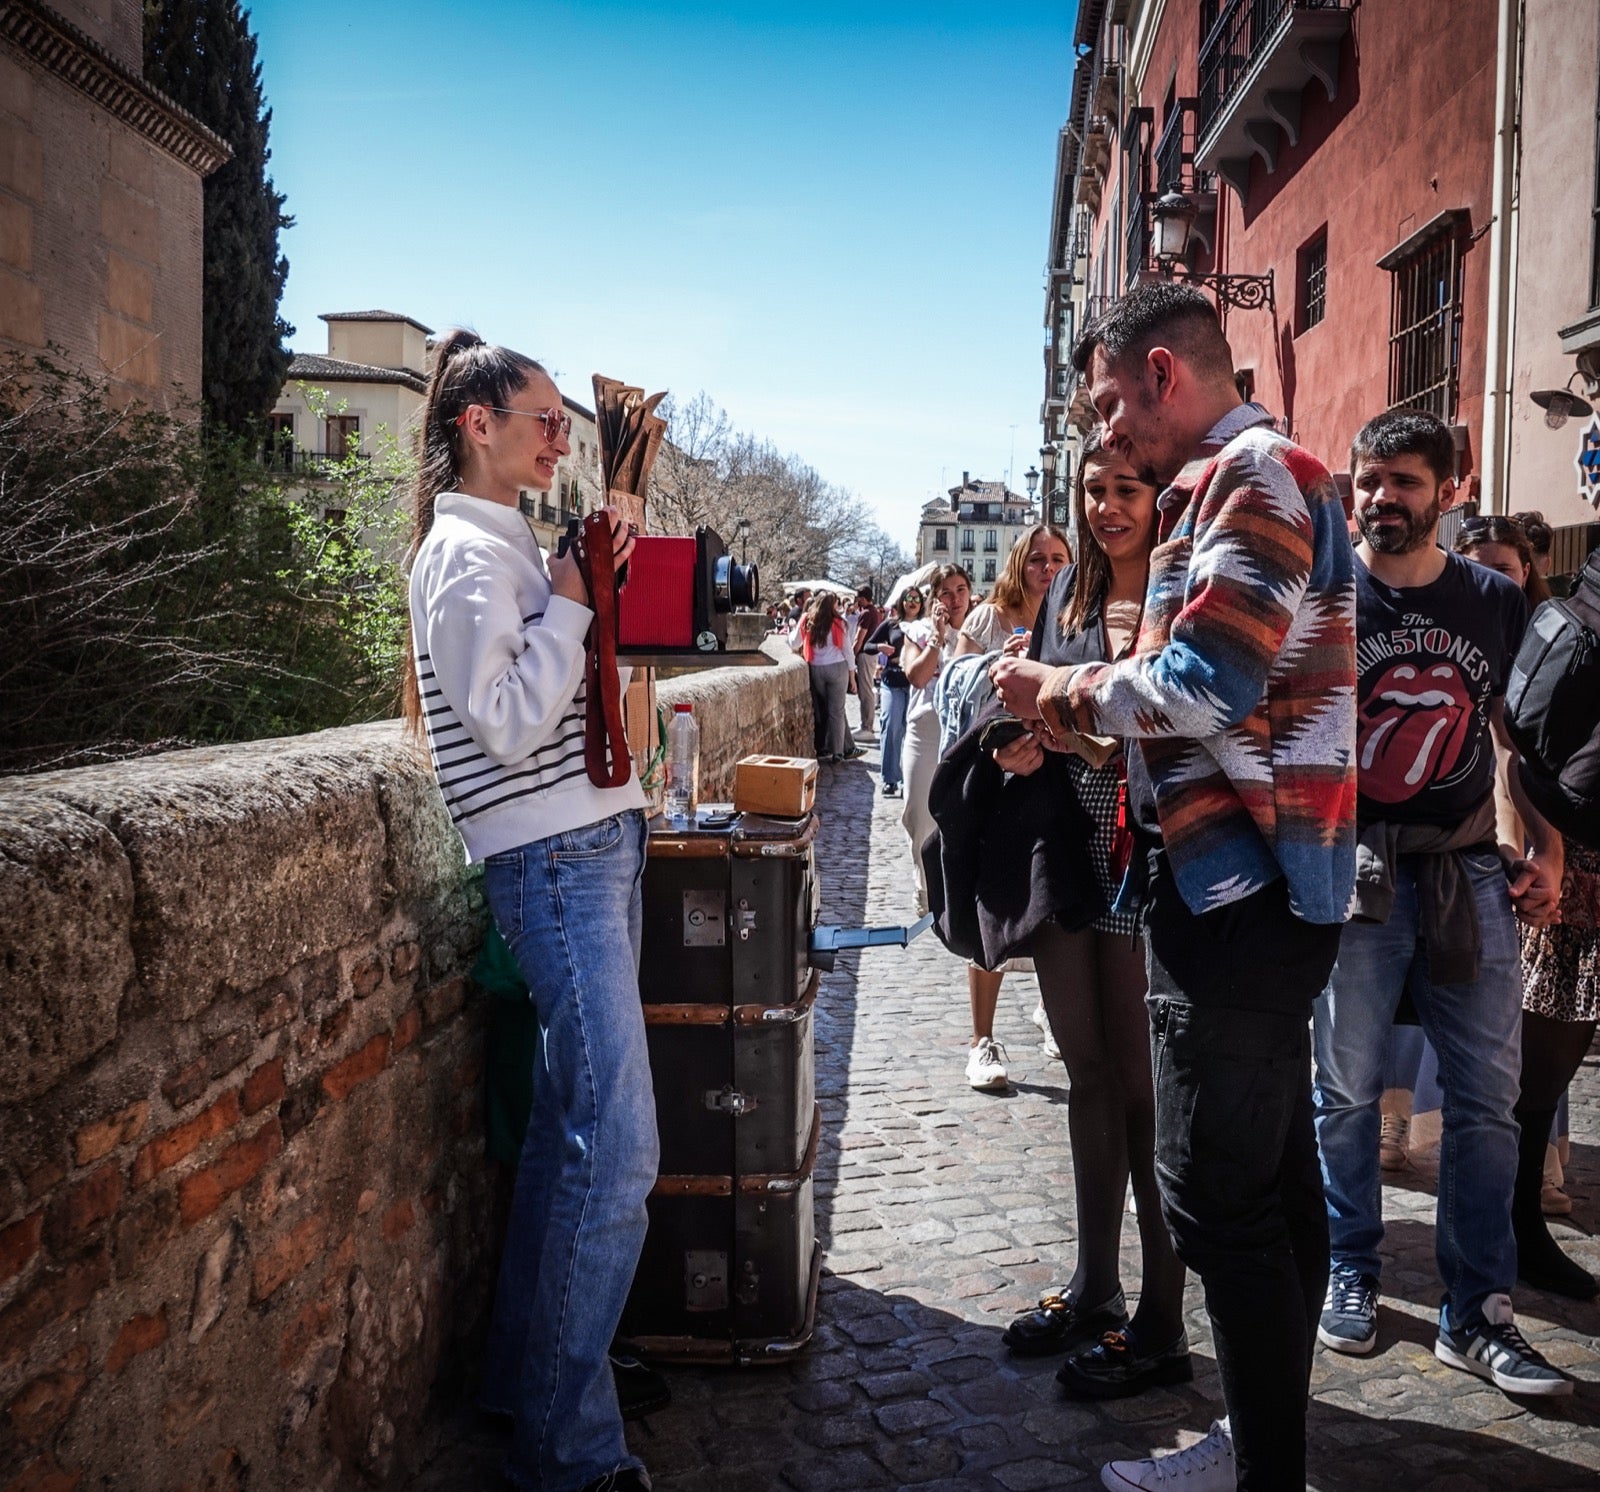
point(1553, 708)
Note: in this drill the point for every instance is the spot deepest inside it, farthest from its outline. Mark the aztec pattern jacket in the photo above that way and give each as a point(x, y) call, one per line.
point(1241, 687)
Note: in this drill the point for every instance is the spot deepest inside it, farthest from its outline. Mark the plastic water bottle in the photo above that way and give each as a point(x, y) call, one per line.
point(683, 766)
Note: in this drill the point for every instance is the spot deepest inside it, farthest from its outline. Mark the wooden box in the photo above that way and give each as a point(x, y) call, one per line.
point(783, 787)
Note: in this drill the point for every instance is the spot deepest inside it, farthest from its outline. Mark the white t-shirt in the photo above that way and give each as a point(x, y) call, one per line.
point(920, 632)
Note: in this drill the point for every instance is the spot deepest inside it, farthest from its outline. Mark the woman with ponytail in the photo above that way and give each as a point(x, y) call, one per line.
point(495, 680)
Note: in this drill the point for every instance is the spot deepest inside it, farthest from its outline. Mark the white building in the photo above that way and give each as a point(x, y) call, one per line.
point(974, 527)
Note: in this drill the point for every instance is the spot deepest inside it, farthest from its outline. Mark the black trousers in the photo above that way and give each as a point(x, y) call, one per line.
point(1236, 1155)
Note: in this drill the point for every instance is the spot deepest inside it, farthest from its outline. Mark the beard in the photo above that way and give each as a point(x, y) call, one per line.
point(1415, 531)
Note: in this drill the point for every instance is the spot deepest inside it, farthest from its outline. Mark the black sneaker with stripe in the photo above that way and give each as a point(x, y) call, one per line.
point(1349, 1321)
point(1496, 1350)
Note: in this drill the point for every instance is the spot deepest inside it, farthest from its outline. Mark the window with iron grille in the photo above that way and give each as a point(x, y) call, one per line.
point(1314, 281)
point(1425, 328)
point(988, 570)
point(941, 540)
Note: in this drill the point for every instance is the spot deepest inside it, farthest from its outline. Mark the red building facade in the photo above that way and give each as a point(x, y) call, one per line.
point(1345, 147)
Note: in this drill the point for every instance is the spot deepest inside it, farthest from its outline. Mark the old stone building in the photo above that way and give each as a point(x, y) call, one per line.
point(100, 200)
point(975, 527)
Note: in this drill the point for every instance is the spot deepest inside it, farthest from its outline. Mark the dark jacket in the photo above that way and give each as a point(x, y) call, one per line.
point(1007, 854)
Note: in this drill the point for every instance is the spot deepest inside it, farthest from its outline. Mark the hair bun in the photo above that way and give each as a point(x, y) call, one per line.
point(457, 340)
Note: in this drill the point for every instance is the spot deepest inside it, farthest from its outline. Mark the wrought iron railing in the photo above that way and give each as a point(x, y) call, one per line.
point(292, 461)
point(1136, 239)
point(1175, 168)
point(1244, 29)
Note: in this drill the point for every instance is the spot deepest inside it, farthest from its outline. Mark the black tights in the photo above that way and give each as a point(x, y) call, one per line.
point(1551, 1053)
point(1093, 986)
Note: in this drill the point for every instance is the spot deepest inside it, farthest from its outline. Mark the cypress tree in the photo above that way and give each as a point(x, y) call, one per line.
point(202, 55)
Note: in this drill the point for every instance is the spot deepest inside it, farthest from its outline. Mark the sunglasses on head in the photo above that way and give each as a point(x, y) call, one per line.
point(556, 422)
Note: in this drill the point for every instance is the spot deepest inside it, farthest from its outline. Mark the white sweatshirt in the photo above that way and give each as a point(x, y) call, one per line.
point(500, 671)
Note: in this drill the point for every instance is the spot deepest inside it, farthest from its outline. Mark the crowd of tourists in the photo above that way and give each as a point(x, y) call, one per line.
point(1293, 819)
point(1309, 840)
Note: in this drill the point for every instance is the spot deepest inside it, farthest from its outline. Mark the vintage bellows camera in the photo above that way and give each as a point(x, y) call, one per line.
point(682, 595)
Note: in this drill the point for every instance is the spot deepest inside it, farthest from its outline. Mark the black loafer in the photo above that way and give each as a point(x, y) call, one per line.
point(1058, 1322)
point(640, 1389)
point(1114, 1367)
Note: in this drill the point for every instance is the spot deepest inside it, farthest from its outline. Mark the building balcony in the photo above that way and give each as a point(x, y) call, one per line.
point(1176, 170)
point(1254, 66)
point(315, 465)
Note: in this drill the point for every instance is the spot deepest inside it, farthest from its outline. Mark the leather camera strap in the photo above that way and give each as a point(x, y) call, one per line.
point(605, 741)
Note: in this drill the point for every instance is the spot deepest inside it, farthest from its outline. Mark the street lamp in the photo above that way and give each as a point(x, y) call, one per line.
point(1031, 477)
point(743, 525)
point(1173, 214)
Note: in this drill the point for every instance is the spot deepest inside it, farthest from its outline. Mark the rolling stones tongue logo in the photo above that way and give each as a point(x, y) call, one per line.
point(1411, 730)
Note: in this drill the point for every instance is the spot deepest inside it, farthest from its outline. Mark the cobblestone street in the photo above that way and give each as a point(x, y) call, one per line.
point(943, 1212)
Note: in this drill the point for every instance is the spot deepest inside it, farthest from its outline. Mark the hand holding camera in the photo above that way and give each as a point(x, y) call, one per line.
point(566, 570)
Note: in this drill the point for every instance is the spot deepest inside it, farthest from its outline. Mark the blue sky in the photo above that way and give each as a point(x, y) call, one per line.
point(833, 218)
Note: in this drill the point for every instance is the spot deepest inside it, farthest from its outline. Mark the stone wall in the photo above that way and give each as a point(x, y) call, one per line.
point(741, 711)
point(246, 1224)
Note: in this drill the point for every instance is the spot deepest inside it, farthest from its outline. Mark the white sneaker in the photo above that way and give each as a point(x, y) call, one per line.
point(1207, 1466)
point(1042, 1021)
point(986, 1066)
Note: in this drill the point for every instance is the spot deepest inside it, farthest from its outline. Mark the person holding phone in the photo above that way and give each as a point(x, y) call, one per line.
point(929, 644)
point(886, 641)
point(1093, 984)
point(495, 678)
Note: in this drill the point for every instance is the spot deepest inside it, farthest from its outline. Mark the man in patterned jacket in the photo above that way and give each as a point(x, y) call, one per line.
point(1240, 695)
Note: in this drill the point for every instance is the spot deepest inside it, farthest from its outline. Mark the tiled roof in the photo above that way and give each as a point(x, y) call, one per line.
point(375, 316)
point(312, 367)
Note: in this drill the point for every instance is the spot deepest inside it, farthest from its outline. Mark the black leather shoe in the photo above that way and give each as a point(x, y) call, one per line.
point(640, 1389)
point(1059, 1322)
point(1114, 1367)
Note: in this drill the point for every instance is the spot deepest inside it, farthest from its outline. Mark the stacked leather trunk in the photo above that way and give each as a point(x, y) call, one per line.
point(730, 1264)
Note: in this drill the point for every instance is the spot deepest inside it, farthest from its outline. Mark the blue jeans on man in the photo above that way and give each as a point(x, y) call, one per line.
point(570, 910)
point(1475, 1030)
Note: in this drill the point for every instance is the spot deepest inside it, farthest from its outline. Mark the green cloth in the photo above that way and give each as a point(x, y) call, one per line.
point(513, 1039)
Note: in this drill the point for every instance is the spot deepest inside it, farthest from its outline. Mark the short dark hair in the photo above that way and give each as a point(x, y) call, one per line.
point(1163, 313)
point(1406, 432)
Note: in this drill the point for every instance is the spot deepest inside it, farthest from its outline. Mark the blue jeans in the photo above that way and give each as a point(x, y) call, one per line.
point(571, 912)
point(891, 730)
point(1476, 1030)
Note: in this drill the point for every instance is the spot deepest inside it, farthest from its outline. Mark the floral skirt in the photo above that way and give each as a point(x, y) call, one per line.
point(1561, 964)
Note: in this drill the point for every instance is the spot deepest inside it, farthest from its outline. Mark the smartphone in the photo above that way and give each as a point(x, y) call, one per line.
point(1001, 732)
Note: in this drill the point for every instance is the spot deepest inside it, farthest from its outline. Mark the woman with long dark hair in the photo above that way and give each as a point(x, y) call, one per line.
point(1093, 985)
point(821, 637)
point(495, 679)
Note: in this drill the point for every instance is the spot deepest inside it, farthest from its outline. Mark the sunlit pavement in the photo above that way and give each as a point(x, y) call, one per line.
point(943, 1212)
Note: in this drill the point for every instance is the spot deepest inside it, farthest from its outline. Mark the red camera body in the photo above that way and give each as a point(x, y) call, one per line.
point(678, 593)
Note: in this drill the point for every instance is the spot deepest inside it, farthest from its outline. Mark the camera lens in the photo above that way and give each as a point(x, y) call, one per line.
point(736, 587)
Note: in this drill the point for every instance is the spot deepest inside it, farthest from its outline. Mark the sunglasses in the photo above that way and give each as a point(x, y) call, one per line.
point(556, 422)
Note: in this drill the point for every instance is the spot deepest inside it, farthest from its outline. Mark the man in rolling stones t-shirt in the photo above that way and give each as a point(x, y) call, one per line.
point(1441, 875)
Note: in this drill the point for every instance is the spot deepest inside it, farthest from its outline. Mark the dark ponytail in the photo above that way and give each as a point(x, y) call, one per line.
point(466, 370)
